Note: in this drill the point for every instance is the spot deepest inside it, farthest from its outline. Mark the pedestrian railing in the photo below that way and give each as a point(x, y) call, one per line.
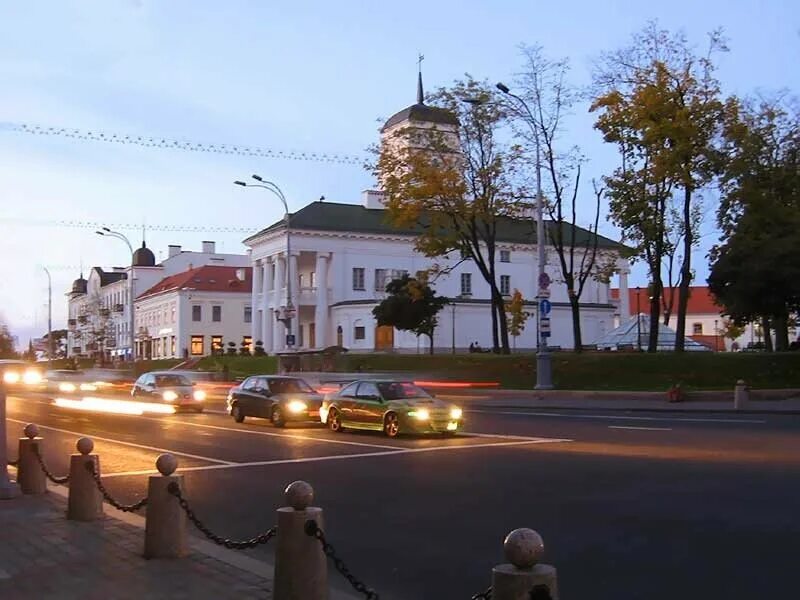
point(302, 548)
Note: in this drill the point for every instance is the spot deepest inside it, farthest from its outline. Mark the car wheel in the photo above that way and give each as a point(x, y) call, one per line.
point(277, 417)
point(391, 425)
point(237, 414)
point(335, 421)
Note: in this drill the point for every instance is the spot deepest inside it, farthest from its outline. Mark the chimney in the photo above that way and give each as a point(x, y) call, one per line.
point(373, 199)
point(209, 247)
point(174, 250)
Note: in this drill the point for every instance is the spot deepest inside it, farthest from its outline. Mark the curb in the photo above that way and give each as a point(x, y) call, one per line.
point(638, 409)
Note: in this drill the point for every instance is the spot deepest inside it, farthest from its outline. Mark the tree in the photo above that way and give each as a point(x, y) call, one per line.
point(457, 187)
point(755, 270)
point(59, 343)
point(731, 330)
point(410, 305)
point(660, 103)
point(548, 99)
point(7, 349)
point(517, 316)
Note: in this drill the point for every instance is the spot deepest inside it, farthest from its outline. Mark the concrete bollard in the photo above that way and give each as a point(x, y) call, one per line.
point(30, 475)
point(523, 548)
point(301, 568)
point(85, 502)
point(8, 489)
point(741, 395)
point(165, 523)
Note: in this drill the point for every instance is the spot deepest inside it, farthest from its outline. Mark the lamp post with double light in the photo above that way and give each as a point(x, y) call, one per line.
point(106, 232)
point(289, 312)
point(544, 368)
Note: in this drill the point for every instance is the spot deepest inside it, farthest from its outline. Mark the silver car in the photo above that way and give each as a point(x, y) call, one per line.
point(169, 388)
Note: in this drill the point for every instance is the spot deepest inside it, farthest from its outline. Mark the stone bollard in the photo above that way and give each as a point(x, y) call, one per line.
point(301, 569)
point(518, 580)
point(165, 523)
point(741, 395)
point(30, 475)
point(8, 489)
point(85, 502)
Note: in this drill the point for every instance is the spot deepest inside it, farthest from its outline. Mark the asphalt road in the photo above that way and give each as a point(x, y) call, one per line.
point(631, 505)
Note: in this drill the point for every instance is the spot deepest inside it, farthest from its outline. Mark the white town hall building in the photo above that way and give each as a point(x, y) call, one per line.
point(342, 256)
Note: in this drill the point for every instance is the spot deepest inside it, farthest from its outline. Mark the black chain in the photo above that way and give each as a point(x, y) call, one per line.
point(487, 595)
point(174, 489)
point(313, 530)
point(90, 466)
point(50, 476)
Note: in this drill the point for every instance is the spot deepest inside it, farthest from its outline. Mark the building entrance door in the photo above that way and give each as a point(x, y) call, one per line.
point(384, 337)
point(312, 335)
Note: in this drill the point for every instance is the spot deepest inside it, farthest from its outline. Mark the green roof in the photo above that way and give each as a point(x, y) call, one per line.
point(334, 217)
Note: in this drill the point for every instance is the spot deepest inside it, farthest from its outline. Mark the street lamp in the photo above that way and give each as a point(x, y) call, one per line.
point(49, 319)
point(638, 320)
point(106, 232)
point(716, 337)
point(544, 367)
point(272, 187)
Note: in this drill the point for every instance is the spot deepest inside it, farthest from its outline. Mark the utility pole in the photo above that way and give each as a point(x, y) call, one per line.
point(49, 319)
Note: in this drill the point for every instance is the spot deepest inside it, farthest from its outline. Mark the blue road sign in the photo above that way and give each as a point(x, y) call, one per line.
point(290, 340)
point(545, 306)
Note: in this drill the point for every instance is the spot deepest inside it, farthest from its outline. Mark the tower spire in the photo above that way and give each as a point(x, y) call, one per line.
point(420, 93)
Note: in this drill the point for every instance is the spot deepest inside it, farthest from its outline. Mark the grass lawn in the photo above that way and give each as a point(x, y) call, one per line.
point(239, 366)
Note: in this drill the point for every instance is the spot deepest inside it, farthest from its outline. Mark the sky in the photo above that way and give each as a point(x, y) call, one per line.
point(301, 76)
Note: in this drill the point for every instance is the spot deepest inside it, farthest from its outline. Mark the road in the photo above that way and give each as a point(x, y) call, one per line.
point(630, 505)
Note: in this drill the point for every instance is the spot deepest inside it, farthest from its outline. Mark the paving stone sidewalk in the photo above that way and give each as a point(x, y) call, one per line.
point(43, 556)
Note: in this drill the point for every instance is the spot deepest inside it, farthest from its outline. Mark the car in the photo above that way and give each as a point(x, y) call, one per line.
point(392, 406)
point(20, 374)
point(172, 388)
point(280, 399)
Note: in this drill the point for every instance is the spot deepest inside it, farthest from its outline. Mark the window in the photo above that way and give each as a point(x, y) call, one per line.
point(300, 335)
point(197, 313)
point(505, 285)
point(216, 344)
point(216, 314)
point(172, 346)
point(348, 391)
point(505, 255)
point(248, 314)
point(399, 273)
point(197, 344)
point(367, 390)
point(359, 332)
point(358, 278)
point(697, 329)
point(173, 313)
point(301, 278)
point(312, 279)
point(466, 284)
point(247, 343)
point(380, 280)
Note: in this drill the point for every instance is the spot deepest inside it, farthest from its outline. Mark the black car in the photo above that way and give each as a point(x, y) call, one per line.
point(277, 398)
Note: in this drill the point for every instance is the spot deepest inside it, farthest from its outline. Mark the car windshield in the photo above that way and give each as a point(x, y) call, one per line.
point(289, 386)
point(171, 380)
point(399, 390)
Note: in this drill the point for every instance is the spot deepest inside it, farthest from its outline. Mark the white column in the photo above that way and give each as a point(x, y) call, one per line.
point(321, 310)
point(254, 325)
point(279, 330)
point(624, 297)
point(295, 275)
point(266, 326)
point(269, 326)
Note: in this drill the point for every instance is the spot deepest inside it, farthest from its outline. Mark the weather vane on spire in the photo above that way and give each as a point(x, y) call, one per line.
point(420, 58)
point(420, 94)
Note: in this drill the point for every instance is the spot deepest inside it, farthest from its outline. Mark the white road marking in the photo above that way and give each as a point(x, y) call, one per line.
point(640, 428)
point(286, 461)
point(133, 445)
point(620, 417)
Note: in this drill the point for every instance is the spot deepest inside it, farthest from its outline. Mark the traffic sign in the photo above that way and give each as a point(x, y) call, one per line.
point(290, 340)
point(545, 306)
point(543, 293)
point(544, 325)
point(544, 280)
point(545, 334)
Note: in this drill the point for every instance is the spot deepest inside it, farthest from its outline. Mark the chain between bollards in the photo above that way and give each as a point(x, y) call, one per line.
point(174, 489)
point(90, 466)
point(486, 595)
point(313, 530)
point(538, 592)
point(50, 476)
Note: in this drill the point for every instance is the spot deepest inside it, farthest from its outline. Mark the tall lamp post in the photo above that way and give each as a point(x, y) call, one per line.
point(49, 319)
point(106, 232)
point(272, 187)
point(544, 367)
point(638, 320)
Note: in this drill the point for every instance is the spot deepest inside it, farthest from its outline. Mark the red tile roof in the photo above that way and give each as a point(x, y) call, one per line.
point(208, 278)
point(701, 300)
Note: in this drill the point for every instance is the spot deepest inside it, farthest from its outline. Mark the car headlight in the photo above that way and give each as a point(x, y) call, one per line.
point(32, 377)
point(88, 387)
point(11, 377)
point(421, 413)
point(199, 395)
point(296, 406)
point(169, 396)
point(455, 413)
point(66, 387)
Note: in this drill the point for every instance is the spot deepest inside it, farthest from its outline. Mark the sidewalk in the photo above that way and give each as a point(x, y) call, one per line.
point(43, 555)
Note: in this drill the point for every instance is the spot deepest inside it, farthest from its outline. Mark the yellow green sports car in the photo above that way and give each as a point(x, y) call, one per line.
point(393, 407)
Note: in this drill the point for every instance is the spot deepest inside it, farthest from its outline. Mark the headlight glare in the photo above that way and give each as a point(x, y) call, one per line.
point(199, 395)
point(66, 387)
point(169, 396)
point(296, 406)
point(11, 377)
point(421, 413)
point(455, 413)
point(32, 377)
point(88, 387)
